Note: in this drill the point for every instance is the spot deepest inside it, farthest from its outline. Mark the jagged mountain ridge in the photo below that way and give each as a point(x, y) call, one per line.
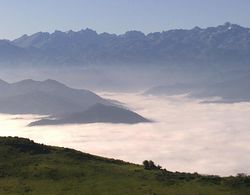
point(227, 44)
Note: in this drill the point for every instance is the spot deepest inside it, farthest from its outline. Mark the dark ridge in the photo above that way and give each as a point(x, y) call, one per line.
point(98, 113)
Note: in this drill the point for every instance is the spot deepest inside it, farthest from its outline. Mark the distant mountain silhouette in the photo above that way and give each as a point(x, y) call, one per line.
point(98, 113)
point(230, 90)
point(173, 89)
point(233, 90)
point(222, 46)
point(45, 98)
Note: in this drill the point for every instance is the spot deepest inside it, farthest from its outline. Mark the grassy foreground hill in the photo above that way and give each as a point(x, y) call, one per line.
point(30, 168)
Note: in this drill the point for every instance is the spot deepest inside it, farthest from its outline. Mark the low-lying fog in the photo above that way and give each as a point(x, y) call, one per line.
point(186, 136)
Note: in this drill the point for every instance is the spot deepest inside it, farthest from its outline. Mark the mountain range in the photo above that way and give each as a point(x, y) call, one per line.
point(224, 45)
point(60, 102)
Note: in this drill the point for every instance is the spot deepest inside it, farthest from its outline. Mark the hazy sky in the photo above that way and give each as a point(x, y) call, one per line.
point(18, 17)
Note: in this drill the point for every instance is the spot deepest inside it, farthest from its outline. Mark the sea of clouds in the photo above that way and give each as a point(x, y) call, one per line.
point(186, 135)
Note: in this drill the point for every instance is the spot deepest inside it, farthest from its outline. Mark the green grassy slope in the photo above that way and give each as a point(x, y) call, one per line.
point(30, 168)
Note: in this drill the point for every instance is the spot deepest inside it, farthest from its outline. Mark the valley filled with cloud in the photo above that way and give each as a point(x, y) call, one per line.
point(186, 135)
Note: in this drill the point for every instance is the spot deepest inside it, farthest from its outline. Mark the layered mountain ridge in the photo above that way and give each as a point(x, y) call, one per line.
point(62, 103)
